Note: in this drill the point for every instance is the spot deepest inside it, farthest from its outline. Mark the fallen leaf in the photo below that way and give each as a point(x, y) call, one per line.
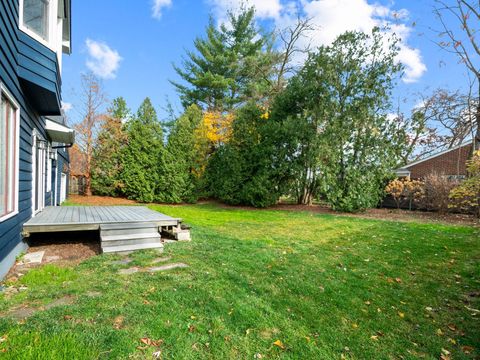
point(354, 325)
point(67, 317)
point(191, 328)
point(258, 356)
point(279, 344)
point(374, 337)
point(439, 332)
point(467, 349)
point(452, 327)
point(402, 315)
point(398, 280)
point(157, 354)
point(150, 342)
point(118, 322)
point(445, 354)
point(367, 302)
point(146, 341)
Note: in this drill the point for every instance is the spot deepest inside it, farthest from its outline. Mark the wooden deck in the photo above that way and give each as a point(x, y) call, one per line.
point(83, 218)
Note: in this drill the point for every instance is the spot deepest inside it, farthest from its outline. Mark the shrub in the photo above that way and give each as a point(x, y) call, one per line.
point(466, 196)
point(436, 193)
point(401, 189)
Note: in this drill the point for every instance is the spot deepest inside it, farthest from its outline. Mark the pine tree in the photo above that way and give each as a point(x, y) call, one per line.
point(106, 161)
point(142, 156)
point(232, 65)
point(179, 179)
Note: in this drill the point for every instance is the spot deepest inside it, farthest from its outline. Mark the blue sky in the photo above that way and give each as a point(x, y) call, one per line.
point(131, 45)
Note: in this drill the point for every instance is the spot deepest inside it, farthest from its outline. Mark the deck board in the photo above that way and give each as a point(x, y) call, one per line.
point(78, 218)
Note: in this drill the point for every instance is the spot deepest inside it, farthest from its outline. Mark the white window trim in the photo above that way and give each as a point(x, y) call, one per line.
point(52, 42)
point(49, 168)
point(4, 91)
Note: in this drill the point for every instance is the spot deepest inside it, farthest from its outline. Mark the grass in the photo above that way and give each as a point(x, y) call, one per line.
point(275, 284)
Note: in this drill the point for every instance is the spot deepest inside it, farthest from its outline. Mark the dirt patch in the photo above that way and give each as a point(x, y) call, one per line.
point(23, 312)
point(100, 200)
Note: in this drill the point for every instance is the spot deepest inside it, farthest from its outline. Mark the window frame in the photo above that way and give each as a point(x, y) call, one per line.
point(16, 170)
point(51, 41)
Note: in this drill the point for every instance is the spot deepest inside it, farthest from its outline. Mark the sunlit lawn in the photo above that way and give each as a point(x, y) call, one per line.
point(264, 284)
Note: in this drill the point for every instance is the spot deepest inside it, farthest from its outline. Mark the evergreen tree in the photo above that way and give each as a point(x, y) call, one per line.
point(142, 156)
point(249, 168)
point(180, 176)
point(231, 65)
point(106, 161)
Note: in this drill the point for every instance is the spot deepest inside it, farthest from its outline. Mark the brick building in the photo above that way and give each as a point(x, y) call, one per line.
point(451, 162)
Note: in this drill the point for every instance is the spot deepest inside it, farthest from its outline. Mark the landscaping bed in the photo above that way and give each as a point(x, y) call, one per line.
point(259, 285)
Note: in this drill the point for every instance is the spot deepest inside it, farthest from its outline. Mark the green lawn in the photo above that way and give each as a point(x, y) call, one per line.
point(264, 284)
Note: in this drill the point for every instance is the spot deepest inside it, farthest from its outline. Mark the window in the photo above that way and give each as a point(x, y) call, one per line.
point(35, 17)
point(8, 157)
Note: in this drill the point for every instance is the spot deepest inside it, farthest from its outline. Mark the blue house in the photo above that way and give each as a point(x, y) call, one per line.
point(34, 35)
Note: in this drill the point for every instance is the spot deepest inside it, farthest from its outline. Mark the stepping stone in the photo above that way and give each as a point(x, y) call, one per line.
point(34, 257)
point(66, 300)
point(128, 271)
point(122, 262)
point(162, 259)
point(168, 267)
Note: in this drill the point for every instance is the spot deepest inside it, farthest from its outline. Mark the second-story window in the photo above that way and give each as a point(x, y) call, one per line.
point(35, 17)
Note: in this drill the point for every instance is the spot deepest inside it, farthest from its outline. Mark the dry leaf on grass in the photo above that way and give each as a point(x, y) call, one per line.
point(467, 349)
point(150, 342)
point(118, 322)
point(279, 344)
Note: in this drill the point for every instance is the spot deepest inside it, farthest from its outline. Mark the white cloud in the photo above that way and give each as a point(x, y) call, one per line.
point(66, 106)
point(331, 18)
point(158, 6)
point(102, 60)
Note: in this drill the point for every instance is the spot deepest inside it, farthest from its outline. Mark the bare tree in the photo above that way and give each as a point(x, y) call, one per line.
point(452, 114)
point(93, 99)
point(462, 40)
point(290, 47)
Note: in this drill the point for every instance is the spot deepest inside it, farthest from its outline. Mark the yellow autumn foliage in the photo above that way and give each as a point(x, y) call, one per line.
point(214, 130)
point(217, 127)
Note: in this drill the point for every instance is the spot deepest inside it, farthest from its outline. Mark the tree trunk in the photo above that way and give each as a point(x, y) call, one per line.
point(477, 118)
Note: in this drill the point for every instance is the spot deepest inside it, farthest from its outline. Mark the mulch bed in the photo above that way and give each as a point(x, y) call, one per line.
point(99, 200)
point(381, 214)
point(62, 249)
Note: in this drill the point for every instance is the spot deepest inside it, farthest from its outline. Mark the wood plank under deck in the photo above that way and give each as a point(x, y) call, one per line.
point(83, 218)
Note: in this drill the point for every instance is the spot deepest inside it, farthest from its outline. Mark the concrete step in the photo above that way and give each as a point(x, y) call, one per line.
point(150, 245)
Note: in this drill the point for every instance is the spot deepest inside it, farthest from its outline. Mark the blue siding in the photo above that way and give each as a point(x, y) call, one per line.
point(29, 71)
